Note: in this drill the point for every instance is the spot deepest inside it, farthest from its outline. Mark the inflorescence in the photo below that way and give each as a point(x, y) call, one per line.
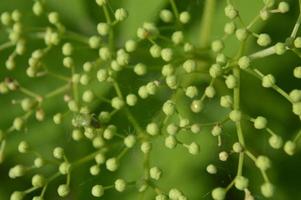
point(183, 66)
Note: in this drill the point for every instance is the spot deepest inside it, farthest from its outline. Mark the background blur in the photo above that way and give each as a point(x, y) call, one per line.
point(181, 170)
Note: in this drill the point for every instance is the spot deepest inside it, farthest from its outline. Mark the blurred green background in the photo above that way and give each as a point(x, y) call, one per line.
point(181, 170)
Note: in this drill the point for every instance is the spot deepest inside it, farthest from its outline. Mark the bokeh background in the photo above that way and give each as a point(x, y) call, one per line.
point(181, 170)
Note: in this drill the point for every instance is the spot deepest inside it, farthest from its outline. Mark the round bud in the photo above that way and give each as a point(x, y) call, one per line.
point(263, 162)
point(117, 103)
point(297, 42)
point(229, 28)
point(215, 70)
point(152, 129)
point(63, 190)
point(129, 141)
point(172, 129)
point(216, 130)
point(267, 190)
point(275, 141)
point(231, 82)
point(168, 108)
point(100, 158)
point(260, 122)
point(94, 42)
point(155, 173)
point(283, 7)
point(94, 170)
point(226, 101)
point(184, 17)
point(88, 96)
point(230, 12)
point(289, 147)
point(166, 16)
point(64, 168)
point(244, 62)
point(37, 8)
point(297, 72)
point(237, 147)
point(191, 91)
point(130, 45)
point(131, 99)
point(58, 152)
point(196, 106)
point(103, 28)
point(241, 34)
point(177, 37)
point(235, 115)
point(155, 51)
point(53, 18)
point(170, 142)
point(146, 147)
point(101, 2)
point(211, 169)
point(189, 66)
point(120, 185)
point(112, 164)
point(219, 193)
point(217, 46)
point(38, 181)
point(23, 147)
point(193, 148)
point(67, 49)
point(167, 54)
point(140, 69)
point(268, 81)
point(280, 48)
point(241, 183)
point(97, 190)
point(18, 123)
point(39, 162)
point(223, 156)
point(121, 14)
point(17, 195)
point(58, 118)
point(263, 40)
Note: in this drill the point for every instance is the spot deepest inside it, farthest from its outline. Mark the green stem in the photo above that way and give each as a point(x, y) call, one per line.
point(58, 91)
point(174, 8)
point(206, 24)
point(6, 45)
point(109, 21)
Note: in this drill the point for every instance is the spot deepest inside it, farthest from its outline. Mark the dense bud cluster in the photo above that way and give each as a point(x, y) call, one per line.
point(183, 79)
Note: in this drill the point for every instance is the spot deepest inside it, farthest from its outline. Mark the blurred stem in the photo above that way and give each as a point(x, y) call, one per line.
point(206, 23)
point(236, 99)
point(6, 45)
point(109, 21)
point(127, 112)
point(297, 25)
point(174, 8)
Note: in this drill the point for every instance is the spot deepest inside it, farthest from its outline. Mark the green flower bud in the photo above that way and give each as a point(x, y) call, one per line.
point(120, 185)
point(63, 190)
point(97, 190)
point(211, 169)
point(155, 173)
point(166, 16)
point(152, 129)
point(184, 17)
point(263, 163)
point(264, 40)
point(260, 122)
point(267, 190)
point(241, 183)
point(219, 193)
point(112, 164)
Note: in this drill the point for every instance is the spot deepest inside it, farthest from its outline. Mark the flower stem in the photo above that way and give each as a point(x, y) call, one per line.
point(206, 23)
